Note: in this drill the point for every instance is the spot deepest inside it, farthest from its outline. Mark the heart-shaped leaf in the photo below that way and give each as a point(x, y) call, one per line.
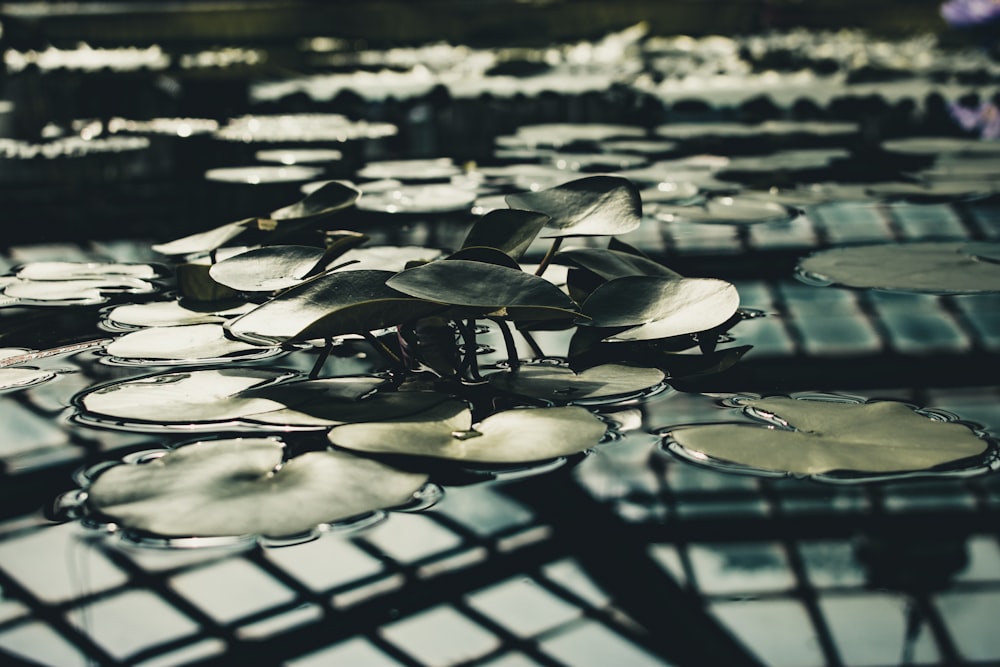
point(935, 267)
point(446, 431)
point(330, 305)
point(662, 306)
point(204, 242)
point(509, 230)
point(243, 487)
point(883, 436)
point(267, 269)
point(610, 264)
point(327, 200)
point(559, 384)
point(592, 206)
point(489, 287)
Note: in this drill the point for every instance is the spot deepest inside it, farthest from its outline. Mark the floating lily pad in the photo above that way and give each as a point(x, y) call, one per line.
point(192, 343)
point(934, 267)
point(204, 242)
point(262, 174)
point(591, 206)
point(86, 271)
point(561, 134)
point(419, 199)
point(562, 385)
point(18, 377)
point(245, 487)
point(486, 286)
point(728, 211)
point(513, 436)
point(433, 169)
point(169, 313)
point(203, 396)
point(330, 305)
point(328, 402)
point(75, 292)
point(660, 307)
point(942, 145)
point(833, 436)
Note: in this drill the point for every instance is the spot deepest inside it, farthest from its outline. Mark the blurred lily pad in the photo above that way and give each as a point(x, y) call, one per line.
point(446, 431)
point(487, 286)
point(87, 271)
point(75, 292)
point(827, 436)
point(562, 385)
point(934, 267)
point(246, 487)
point(725, 210)
point(592, 206)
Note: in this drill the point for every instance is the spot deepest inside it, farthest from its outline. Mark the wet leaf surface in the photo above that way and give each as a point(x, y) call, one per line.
point(591, 206)
point(832, 436)
point(243, 487)
point(267, 269)
point(192, 343)
point(446, 431)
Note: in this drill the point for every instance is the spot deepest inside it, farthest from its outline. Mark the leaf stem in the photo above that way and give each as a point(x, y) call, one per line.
point(553, 249)
point(508, 339)
point(470, 363)
point(536, 349)
point(386, 353)
point(324, 354)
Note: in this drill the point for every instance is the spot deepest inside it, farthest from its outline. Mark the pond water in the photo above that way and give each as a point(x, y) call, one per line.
point(619, 537)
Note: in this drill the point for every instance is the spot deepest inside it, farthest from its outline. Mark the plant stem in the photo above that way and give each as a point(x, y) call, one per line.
point(536, 349)
point(469, 363)
point(324, 354)
point(386, 353)
point(553, 249)
point(508, 339)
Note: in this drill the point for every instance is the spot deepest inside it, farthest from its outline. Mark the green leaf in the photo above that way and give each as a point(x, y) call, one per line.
point(562, 385)
point(883, 436)
point(267, 269)
point(513, 436)
point(325, 201)
point(509, 230)
point(191, 342)
point(241, 486)
point(331, 305)
point(317, 408)
point(486, 286)
point(485, 255)
point(205, 242)
point(611, 264)
point(591, 206)
point(662, 306)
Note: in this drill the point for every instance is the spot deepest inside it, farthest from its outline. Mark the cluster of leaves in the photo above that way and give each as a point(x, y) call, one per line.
point(623, 306)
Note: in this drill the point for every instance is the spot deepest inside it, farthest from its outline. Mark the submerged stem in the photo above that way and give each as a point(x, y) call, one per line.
point(386, 353)
point(536, 349)
point(508, 340)
point(324, 354)
point(469, 363)
point(553, 249)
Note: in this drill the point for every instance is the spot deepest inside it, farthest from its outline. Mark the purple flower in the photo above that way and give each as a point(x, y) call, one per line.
point(983, 119)
point(970, 13)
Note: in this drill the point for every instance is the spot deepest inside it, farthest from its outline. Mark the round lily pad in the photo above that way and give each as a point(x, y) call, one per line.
point(815, 437)
point(169, 313)
point(419, 199)
point(728, 211)
point(192, 343)
point(934, 267)
point(563, 385)
point(447, 432)
point(245, 487)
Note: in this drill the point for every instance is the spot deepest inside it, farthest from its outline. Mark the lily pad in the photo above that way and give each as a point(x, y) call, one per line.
point(933, 267)
point(827, 436)
point(610, 264)
point(433, 198)
point(331, 305)
point(487, 286)
point(513, 436)
point(75, 292)
point(728, 211)
point(431, 169)
point(204, 242)
point(18, 377)
point(185, 397)
point(315, 406)
point(192, 343)
point(386, 258)
point(592, 206)
point(660, 307)
point(86, 271)
point(169, 313)
point(561, 385)
point(245, 487)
